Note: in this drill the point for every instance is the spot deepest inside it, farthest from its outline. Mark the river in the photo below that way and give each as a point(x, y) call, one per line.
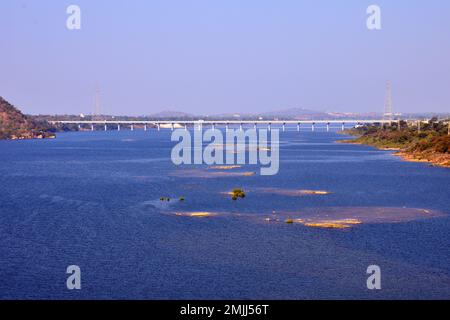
point(92, 199)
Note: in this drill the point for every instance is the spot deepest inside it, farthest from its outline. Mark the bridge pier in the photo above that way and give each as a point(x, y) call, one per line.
point(159, 127)
point(255, 126)
point(226, 127)
point(213, 127)
point(269, 127)
point(132, 127)
point(172, 127)
point(92, 127)
point(240, 127)
point(328, 127)
point(145, 127)
point(313, 127)
point(298, 127)
point(79, 127)
point(106, 127)
point(343, 126)
point(284, 127)
point(118, 127)
point(185, 127)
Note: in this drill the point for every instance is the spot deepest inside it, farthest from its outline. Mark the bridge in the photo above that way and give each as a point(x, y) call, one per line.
point(172, 124)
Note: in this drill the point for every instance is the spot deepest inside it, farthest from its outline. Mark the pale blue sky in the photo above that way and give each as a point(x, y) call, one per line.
point(220, 56)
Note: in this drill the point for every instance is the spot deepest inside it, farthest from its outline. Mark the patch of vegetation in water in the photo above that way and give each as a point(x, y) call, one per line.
point(180, 199)
point(237, 193)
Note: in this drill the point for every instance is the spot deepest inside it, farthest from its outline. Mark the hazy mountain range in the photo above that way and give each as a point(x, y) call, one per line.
point(294, 114)
point(291, 113)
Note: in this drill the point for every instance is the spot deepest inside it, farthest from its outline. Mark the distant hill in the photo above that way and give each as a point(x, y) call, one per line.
point(292, 113)
point(14, 125)
point(287, 114)
point(172, 114)
point(297, 113)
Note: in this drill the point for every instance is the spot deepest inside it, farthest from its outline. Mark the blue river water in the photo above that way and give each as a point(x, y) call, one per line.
point(92, 199)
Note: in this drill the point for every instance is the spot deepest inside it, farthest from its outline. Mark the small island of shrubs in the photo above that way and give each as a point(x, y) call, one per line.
point(181, 199)
point(237, 193)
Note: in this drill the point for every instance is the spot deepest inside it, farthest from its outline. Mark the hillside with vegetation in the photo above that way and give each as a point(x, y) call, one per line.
point(14, 125)
point(429, 142)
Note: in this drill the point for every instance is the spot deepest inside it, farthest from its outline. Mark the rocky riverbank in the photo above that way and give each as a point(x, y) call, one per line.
point(431, 144)
point(16, 126)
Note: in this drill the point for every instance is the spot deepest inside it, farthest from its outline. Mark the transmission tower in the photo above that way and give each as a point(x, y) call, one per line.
point(388, 114)
point(97, 106)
